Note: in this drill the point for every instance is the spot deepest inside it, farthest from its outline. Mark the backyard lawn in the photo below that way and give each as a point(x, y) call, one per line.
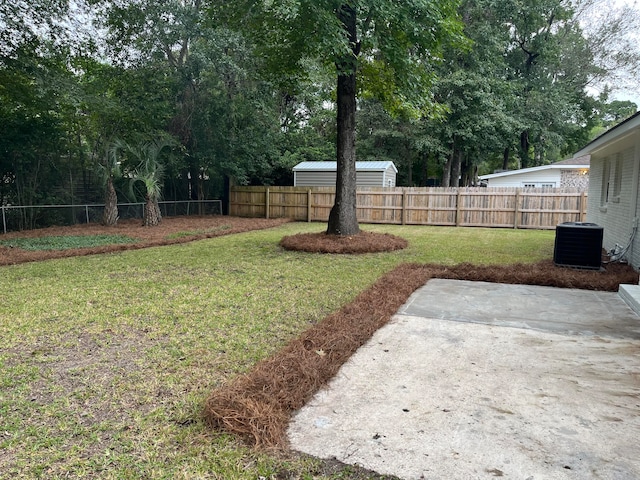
point(106, 360)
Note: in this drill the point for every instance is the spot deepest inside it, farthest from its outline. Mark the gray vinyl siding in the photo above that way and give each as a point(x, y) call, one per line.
point(370, 174)
point(369, 179)
point(389, 178)
point(310, 178)
point(328, 179)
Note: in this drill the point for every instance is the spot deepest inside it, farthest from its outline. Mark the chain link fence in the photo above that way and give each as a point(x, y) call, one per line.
point(26, 217)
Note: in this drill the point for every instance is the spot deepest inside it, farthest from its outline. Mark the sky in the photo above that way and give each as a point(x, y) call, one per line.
point(632, 91)
point(632, 94)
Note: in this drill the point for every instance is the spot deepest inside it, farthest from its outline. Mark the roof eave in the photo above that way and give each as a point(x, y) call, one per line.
point(524, 171)
point(616, 133)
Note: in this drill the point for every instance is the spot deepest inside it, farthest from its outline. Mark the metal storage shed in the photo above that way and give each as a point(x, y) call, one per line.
point(323, 174)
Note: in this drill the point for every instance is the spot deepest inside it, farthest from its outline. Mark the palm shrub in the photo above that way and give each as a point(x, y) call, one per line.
point(150, 173)
point(109, 170)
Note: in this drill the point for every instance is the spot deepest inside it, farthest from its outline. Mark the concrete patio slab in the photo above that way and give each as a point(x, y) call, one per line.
point(478, 380)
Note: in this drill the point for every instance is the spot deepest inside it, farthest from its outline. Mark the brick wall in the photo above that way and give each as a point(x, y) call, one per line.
point(574, 179)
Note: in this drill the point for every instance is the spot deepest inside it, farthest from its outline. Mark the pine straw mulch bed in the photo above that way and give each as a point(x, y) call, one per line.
point(257, 406)
point(170, 231)
point(363, 242)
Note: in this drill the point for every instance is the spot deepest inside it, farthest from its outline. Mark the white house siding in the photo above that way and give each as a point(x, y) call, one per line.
point(540, 178)
point(635, 248)
point(620, 212)
point(616, 215)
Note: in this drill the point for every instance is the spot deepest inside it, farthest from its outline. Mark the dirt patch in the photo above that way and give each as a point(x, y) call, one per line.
point(257, 406)
point(363, 242)
point(172, 230)
point(80, 367)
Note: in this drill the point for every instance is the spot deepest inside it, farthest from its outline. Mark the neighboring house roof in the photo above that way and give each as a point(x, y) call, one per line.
point(569, 164)
point(584, 160)
point(619, 132)
point(331, 166)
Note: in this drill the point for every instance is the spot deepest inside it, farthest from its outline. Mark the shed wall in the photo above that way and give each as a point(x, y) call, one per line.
point(369, 179)
point(327, 178)
point(389, 177)
point(308, 178)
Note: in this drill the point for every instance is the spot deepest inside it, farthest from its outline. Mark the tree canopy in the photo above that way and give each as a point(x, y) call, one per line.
point(380, 49)
point(445, 89)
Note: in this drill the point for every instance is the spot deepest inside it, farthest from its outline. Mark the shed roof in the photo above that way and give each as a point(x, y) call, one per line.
point(331, 166)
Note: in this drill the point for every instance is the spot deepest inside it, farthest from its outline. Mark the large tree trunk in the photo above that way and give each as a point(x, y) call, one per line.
point(524, 149)
point(505, 158)
point(456, 168)
point(446, 169)
point(110, 214)
point(424, 178)
point(342, 218)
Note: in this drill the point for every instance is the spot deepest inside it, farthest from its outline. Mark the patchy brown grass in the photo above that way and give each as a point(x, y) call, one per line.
point(172, 230)
point(257, 406)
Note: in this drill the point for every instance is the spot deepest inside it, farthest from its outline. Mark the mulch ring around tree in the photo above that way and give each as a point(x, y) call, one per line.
point(258, 405)
point(363, 242)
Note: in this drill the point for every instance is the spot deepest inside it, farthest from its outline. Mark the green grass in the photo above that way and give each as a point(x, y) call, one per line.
point(66, 242)
point(106, 359)
point(191, 233)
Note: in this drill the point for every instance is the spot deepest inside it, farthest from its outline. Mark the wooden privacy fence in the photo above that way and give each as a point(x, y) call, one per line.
point(535, 208)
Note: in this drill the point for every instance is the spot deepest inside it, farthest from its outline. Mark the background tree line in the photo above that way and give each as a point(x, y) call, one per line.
point(78, 77)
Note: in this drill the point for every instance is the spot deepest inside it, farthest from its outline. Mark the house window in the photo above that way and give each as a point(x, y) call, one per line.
point(606, 180)
point(539, 185)
point(617, 178)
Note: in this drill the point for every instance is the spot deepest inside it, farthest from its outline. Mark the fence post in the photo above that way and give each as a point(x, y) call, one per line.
point(458, 208)
point(266, 203)
point(404, 206)
point(516, 218)
point(4, 220)
point(309, 197)
point(583, 201)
